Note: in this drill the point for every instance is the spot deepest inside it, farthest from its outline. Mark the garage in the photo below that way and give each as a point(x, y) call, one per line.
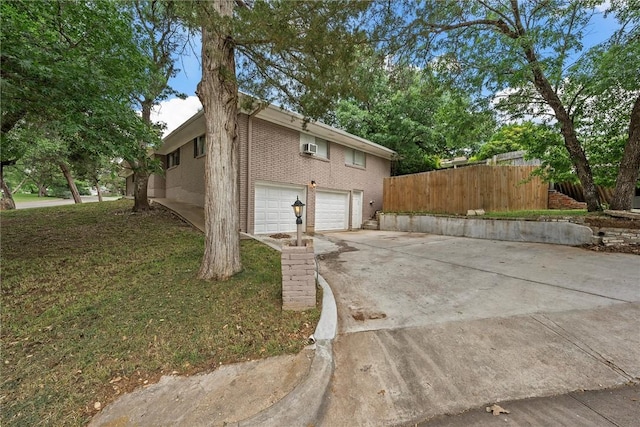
point(273, 212)
point(332, 210)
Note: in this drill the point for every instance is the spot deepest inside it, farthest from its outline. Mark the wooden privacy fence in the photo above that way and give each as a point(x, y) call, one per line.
point(576, 192)
point(455, 191)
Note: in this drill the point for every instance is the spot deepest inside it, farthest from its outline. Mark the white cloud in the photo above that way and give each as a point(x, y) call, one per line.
point(176, 111)
point(539, 112)
point(603, 7)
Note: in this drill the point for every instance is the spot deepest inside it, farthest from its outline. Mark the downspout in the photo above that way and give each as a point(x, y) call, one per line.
point(249, 143)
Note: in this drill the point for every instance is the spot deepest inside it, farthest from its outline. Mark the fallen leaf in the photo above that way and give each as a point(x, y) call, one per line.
point(115, 380)
point(381, 392)
point(496, 409)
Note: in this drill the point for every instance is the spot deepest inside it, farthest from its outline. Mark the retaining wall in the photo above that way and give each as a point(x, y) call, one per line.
point(616, 236)
point(561, 233)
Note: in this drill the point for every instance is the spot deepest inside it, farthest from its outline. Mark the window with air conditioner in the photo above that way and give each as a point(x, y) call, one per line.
point(310, 148)
point(317, 147)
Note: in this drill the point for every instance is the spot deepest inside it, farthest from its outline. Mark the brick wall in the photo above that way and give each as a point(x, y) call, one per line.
point(275, 157)
point(559, 200)
point(298, 277)
point(270, 153)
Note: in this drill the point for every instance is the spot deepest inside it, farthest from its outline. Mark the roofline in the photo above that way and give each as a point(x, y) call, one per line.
point(190, 120)
point(295, 121)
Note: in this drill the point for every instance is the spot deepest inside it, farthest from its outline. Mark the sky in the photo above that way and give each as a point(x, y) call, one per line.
point(176, 111)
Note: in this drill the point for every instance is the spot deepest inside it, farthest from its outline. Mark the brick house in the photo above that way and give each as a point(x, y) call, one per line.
point(337, 175)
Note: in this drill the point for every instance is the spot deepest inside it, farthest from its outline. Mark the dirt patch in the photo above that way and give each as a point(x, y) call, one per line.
point(611, 222)
point(620, 249)
point(342, 247)
point(280, 236)
point(361, 316)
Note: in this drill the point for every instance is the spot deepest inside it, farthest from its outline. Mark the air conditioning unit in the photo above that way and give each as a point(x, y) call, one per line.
point(309, 148)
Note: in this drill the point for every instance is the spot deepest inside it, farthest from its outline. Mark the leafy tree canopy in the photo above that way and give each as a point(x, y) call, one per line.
point(533, 54)
point(73, 66)
point(412, 112)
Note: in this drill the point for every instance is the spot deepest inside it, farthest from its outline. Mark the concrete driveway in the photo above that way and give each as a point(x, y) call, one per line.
point(430, 325)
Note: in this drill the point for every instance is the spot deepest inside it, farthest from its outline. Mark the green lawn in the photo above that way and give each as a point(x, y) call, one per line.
point(97, 301)
point(537, 213)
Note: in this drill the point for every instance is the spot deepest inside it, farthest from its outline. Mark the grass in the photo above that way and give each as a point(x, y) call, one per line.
point(97, 301)
point(533, 214)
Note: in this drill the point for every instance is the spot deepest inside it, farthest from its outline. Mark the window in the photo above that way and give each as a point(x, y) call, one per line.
point(354, 157)
point(173, 159)
point(198, 146)
point(323, 148)
point(322, 144)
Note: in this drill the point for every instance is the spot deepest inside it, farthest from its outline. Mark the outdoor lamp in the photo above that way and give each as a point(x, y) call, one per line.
point(297, 210)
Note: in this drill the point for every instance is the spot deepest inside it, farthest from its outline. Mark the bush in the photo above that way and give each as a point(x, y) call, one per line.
point(58, 191)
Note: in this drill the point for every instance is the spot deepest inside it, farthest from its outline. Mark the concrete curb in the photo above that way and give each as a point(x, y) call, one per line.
point(302, 406)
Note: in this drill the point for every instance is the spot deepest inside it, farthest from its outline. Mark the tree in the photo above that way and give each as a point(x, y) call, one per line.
point(68, 69)
point(160, 37)
point(526, 50)
point(529, 136)
point(609, 78)
point(294, 52)
point(412, 112)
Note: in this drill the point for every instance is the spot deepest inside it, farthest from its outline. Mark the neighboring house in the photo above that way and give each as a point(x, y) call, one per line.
point(337, 175)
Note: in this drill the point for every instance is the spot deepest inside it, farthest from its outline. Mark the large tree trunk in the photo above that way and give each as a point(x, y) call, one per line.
point(218, 92)
point(72, 184)
point(629, 171)
point(140, 193)
point(544, 88)
point(96, 183)
point(141, 168)
point(6, 202)
point(573, 146)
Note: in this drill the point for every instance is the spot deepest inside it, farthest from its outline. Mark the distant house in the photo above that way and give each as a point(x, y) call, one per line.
point(337, 175)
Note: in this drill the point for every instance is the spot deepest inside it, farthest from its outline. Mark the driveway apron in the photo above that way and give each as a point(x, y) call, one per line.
point(430, 325)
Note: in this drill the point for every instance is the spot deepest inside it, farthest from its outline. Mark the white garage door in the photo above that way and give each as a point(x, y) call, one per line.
point(332, 210)
point(273, 212)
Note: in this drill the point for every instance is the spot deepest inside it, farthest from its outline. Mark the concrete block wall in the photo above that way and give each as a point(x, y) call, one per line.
point(298, 276)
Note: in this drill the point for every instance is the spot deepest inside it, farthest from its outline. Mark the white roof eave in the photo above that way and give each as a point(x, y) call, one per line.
point(289, 120)
point(295, 121)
